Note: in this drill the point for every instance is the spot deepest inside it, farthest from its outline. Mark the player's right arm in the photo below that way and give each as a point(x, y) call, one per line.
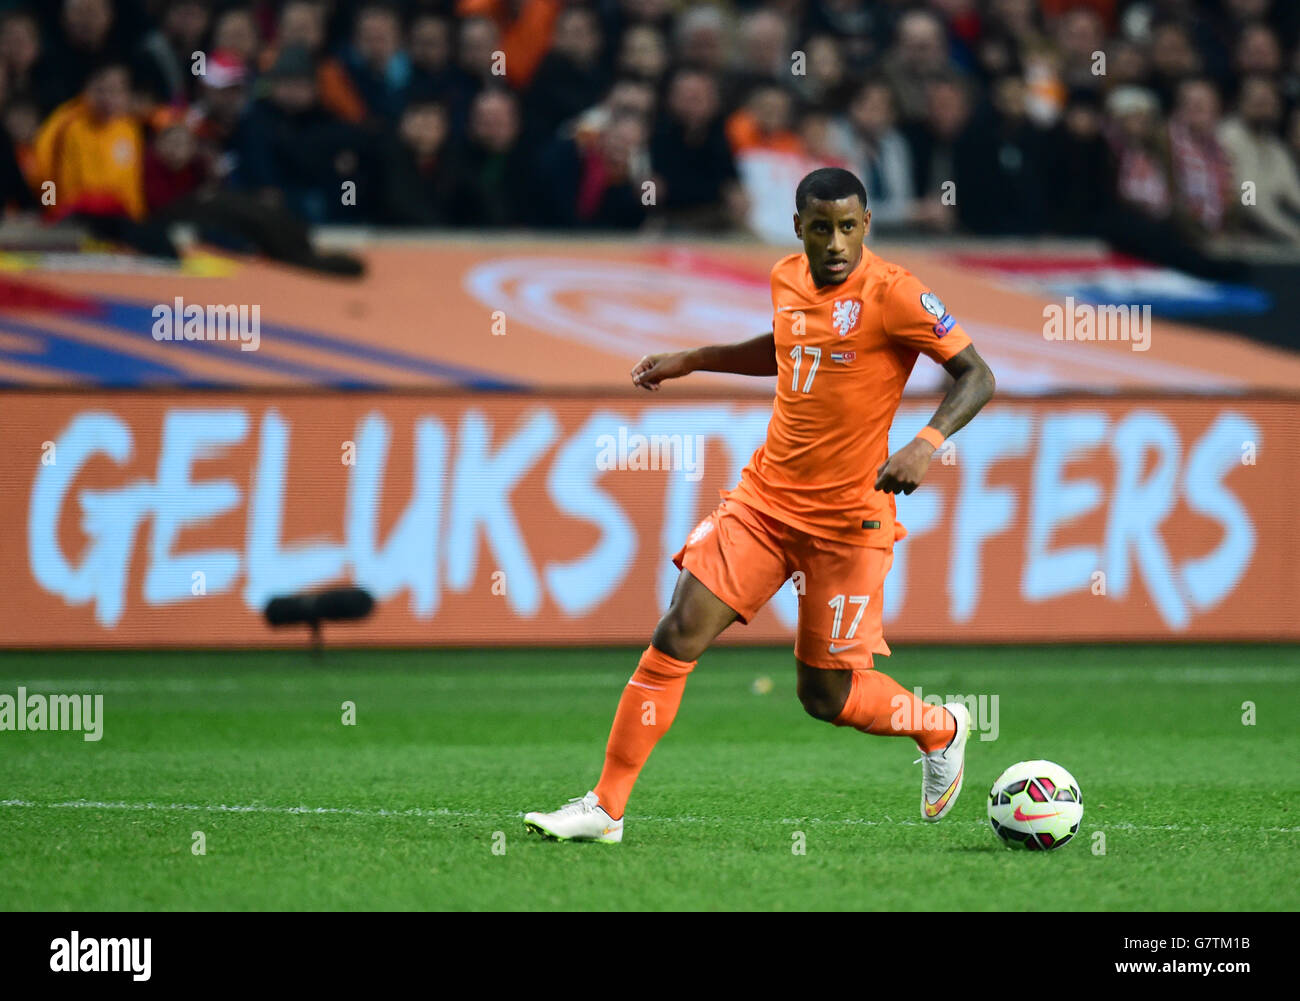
point(756, 356)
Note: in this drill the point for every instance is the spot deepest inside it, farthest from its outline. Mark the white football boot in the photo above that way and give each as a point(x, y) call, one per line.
point(582, 819)
point(943, 770)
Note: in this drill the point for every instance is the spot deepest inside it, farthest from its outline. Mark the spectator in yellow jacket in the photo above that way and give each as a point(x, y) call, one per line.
point(91, 148)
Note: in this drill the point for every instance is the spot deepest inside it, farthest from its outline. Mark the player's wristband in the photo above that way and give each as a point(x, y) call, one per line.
point(929, 434)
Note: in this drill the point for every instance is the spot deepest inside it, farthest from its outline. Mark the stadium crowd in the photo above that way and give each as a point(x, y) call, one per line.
point(1158, 124)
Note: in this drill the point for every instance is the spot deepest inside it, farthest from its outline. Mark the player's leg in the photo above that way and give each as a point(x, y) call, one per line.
point(871, 701)
point(840, 631)
point(650, 699)
point(731, 565)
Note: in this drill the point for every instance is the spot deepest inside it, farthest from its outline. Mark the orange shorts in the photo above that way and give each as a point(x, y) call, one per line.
point(743, 556)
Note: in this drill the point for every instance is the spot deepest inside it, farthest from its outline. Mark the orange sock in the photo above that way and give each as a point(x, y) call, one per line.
point(878, 704)
point(645, 712)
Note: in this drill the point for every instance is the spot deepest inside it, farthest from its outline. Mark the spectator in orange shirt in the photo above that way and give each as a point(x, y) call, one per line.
point(91, 149)
point(763, 122)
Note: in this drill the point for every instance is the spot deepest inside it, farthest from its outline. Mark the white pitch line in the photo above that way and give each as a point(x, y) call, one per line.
point(431, 812)
point(85, 804)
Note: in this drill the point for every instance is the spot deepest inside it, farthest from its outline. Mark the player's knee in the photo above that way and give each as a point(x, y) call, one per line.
point(821, 706)
point(822, 699)
point(679, 637)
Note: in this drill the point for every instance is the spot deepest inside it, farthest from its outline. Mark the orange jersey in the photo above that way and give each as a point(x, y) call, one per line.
point(96, 166)
point(843, 355)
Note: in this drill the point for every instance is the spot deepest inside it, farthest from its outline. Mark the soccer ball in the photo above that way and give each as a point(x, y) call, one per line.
point(1035, 805)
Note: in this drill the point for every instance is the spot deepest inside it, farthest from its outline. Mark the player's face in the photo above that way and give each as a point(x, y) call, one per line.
point(832, 235)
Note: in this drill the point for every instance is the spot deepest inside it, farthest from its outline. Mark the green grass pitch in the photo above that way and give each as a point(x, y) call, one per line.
point(418, 806)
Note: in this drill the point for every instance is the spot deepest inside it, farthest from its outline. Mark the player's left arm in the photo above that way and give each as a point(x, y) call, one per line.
point(973, 386)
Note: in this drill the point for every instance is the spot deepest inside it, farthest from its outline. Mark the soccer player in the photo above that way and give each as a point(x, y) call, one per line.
point(816, 497)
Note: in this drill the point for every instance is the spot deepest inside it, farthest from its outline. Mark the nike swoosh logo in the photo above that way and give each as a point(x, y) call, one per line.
point(785, 309)
point(846, 646)
point(931, 809)
point(1021, 815)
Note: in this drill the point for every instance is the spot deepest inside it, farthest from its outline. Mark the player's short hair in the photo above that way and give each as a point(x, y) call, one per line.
point(828, 184)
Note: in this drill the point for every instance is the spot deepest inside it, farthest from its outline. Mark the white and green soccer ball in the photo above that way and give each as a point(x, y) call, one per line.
point(1035, 805)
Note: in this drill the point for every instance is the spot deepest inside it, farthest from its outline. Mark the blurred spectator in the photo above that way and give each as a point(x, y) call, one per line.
point(235, 31)
point(597, 182)
point(643, 53)
point(495, 186)
point(432, 71)
point(22, 122)
point(15, 139)
point(620, 15)
point(629, 94)
point(701, 41)
point(1202, 172)
point(302, 25)
point(172, 165)
point(1260, 159)
point(293, 151)
point(826, 83)
point(999, 166)
point(164, 62)
point(818, 132)
point(1035, 58)
point(918, 56)
point(477, 44)
point(377, 66)
point(22, 63)
point(764, 53)
point(1126, 64)
point(1144, 180)
point(420, 176)
point(764, 122)
point(1147, 223)
point(1080, 35)
point(699, 184)
point(1173, 59)
point(964, 20)
point(568, 77)
point(862, 29)
point(217, 117)
point(525, 27)
point(85, 43)
point(1080, 169)
point(91, 148)
point(933, 144)
point(996, 56)
point(877, 152)
point(1258, 51)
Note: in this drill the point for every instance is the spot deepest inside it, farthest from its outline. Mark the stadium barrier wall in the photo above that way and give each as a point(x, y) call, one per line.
point(168, 519)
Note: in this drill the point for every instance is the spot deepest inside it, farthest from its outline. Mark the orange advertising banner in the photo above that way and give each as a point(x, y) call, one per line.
point(142, 519)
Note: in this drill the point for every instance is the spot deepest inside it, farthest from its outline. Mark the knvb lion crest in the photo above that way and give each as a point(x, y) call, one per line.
point(845, 315)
